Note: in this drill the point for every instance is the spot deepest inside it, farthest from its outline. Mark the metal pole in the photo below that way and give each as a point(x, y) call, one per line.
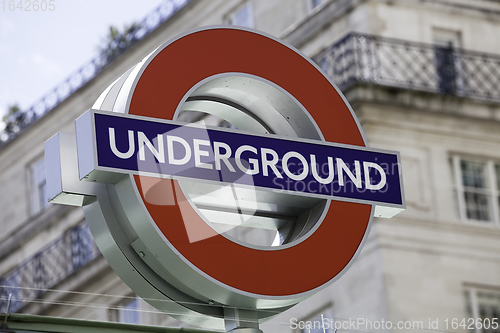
point(3, 327)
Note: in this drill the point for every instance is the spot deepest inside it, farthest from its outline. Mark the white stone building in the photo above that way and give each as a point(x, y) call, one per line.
point(423, 78)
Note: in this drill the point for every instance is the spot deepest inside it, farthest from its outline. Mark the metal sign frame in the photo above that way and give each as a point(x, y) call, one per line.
point(163, 247)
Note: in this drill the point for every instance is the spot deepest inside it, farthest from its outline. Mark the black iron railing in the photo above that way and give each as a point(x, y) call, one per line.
point(48, 267)
point(23, 118)
point(418, 66)
point(355, 58)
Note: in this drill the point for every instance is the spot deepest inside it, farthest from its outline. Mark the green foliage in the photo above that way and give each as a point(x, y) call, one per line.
point(117, 42)
point(14, 119)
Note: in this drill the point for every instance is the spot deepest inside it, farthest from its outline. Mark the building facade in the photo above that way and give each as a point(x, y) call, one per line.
point(423, 77)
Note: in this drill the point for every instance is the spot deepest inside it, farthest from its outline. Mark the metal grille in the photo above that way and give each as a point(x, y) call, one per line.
point(48, 267)
point(24, 118)
point(418, 66)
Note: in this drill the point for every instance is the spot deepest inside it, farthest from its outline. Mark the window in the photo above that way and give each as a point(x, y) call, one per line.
point(447, 43)
point(484, 306)
point(477, 187)
point(127, 312)
point(38, 194)
point(242, 16)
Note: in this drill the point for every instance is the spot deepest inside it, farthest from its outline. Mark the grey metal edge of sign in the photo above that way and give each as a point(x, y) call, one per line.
point(64, 186)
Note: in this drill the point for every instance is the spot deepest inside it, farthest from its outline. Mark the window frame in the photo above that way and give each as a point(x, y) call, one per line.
point(492, 191)
point(36, 197)
point(448, 43)
point(473, 304)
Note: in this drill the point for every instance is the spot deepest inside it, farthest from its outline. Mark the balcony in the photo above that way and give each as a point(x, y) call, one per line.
point(401, 64)
point(47, 268)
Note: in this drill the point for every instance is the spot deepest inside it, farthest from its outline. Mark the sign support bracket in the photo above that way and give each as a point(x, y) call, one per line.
point(241, 320)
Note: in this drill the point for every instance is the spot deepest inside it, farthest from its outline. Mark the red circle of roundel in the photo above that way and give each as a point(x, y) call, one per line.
point(289, 271)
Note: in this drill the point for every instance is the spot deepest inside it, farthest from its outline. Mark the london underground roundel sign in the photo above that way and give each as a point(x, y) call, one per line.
point(215, 218)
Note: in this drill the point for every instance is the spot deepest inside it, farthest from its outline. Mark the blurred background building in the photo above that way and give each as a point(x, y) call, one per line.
point(423, 78)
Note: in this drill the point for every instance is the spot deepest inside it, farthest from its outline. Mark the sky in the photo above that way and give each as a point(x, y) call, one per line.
point(39, 49)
